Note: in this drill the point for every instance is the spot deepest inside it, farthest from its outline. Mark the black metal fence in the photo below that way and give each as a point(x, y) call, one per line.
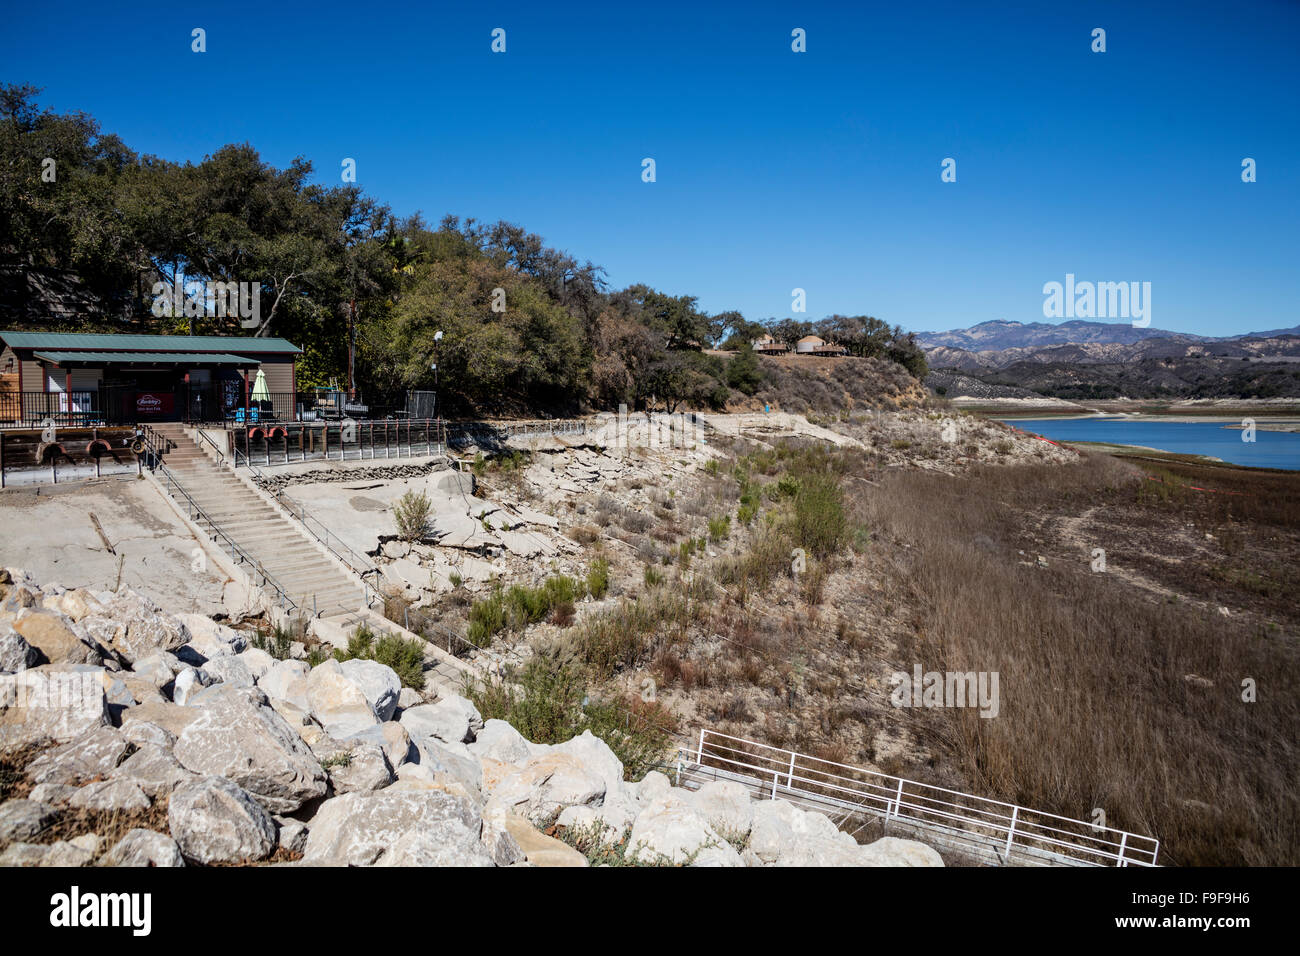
point(33, 409)
point(215, 403)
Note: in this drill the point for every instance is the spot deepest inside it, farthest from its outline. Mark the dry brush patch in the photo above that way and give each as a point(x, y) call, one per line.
point(1099, 706)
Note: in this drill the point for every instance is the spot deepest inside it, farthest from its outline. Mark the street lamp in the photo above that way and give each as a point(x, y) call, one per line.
point(437, 337)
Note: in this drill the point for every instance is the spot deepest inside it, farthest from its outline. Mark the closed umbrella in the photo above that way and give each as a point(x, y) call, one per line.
point(260, 392)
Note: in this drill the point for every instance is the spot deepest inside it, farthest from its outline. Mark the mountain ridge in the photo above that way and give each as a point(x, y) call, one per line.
point(999, 334)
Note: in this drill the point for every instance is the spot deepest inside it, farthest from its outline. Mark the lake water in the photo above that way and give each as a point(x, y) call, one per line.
point(1268, 450)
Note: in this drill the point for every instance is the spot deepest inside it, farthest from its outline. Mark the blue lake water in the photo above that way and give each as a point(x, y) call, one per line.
point(1268, 450)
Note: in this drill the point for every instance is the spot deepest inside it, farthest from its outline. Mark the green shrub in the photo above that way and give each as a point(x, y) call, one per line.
point(598, 578)
point(787, 486)
point(819, 522)
point(277, 645)
point(519, 606)
point(404, 655)
point(544, 701)
point(719, 528)
point(411, 515)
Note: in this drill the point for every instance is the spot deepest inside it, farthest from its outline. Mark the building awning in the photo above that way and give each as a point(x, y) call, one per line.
point(116, 341)
point(146, 358)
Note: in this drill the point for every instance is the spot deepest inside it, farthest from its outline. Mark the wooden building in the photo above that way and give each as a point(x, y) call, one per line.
point(110, 379)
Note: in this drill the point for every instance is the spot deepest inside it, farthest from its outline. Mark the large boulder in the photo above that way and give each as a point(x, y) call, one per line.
point(239, 736)
point(357, 829)
point(78, 851)
point(287, 681)
point(230, 669)
point(452, 720)
point(454, 761)
point(363, 768)
point(337, 702)
point(77, 604)
point(159, 668)
point(432, 848)
point(51, 702)
point(213, 820)
point(118, 796)
point(783, 835)
point(545, 785)
point(727, 806)
point(23, 819)
point(891, 851)
point(144, 848)
point(378, 682)
point(15, 653)
point(537, 848)
point(93, 755)
point(141, 732)
point(173, 718)
point(597, 756)
point(258, 662)
point(142, 628)
point(391, 737)
point(60, 639)
point(668, 832)
point(500, 741)
point(210, 639)
point(154, 770)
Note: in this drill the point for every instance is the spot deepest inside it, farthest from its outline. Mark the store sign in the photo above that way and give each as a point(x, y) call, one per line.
point(154, 404)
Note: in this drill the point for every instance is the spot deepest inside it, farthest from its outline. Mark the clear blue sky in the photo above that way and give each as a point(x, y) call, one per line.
point(776, 170)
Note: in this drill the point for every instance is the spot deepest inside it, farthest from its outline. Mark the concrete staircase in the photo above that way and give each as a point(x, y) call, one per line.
point(297, 562)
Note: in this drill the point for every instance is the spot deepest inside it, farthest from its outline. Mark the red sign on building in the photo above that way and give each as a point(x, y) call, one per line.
point(154, 404)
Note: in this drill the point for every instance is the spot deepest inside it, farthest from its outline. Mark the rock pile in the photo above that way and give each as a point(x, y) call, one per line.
point(135, 710)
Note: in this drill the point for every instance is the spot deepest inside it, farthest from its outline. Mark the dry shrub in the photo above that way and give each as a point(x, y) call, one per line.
point(1096, 710)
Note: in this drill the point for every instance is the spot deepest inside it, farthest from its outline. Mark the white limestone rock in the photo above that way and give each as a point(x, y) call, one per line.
point(213, 820)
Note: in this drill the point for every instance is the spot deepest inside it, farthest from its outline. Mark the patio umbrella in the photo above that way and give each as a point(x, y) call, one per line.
point(260, 391)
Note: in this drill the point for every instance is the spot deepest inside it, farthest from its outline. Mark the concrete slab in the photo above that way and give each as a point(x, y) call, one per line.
point(49, 531)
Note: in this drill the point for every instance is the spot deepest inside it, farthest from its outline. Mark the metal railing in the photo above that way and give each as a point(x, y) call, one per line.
point(358, 562)
point(32, 409)
point(346, 440)
point(963, 820)
point(197, 514)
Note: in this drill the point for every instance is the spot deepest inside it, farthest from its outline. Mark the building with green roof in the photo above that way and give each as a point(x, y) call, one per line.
point(108, 378)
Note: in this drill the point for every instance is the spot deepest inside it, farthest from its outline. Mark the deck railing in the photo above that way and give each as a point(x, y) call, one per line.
point(961, 819)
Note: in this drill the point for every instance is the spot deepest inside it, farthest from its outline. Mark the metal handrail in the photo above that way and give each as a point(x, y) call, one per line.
point(336, 545)
point(893, 795)
point(174, 485)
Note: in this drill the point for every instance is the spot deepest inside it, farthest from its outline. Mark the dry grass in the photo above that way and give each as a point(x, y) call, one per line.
point(1096, 709)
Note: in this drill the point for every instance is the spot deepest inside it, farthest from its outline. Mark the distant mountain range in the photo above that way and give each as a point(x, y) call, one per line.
point(1002, 334)
point(1082, 359)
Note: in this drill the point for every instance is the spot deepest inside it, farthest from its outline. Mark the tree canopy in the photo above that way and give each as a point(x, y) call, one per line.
point(88, 227)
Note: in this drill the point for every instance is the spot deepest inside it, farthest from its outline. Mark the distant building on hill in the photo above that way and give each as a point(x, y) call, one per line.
point(815, 345)
point(770, 346)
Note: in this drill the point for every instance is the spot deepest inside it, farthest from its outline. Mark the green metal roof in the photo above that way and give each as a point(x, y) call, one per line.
point(160, 358)
point(111, 342)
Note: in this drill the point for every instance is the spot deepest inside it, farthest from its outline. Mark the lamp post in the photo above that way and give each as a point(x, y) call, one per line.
point(437, 337)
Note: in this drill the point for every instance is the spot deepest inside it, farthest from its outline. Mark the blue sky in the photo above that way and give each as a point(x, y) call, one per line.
point(775, 170)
